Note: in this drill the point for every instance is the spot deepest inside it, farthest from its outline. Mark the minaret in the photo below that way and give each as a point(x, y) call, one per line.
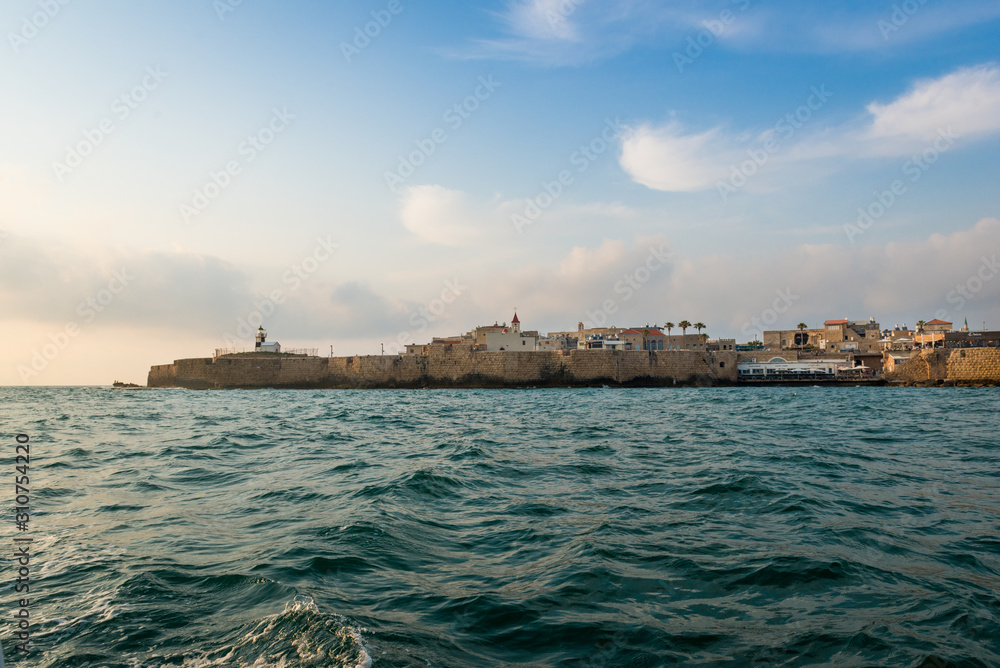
point(515, 323)
point(261, 337)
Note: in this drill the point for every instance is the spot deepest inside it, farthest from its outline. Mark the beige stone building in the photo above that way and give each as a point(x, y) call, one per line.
point(794, 339)
point(582, 332)
point(853, 336)
point(720, 344)
point(937, 325)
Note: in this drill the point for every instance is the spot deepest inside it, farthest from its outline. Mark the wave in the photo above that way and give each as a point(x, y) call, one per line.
point(300, 635)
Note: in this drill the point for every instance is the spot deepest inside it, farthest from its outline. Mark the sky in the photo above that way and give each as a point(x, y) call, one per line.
point(364, 175)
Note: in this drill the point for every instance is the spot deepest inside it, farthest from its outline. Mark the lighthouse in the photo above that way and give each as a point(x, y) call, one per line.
point(262, 346)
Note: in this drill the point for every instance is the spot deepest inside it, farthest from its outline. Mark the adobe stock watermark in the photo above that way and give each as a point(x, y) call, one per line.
point(248, 151)
point(581, 158)
point(783, 130)
point(899, 17)
point(784, 300)
point(608, 652)
point(556, 16)
point(713, 30)
point(455, 116)
point(32, 25)
point(121, 108)
point(89, 309)
point(293, 278)
point(425, 316)
point(629, 285)
point(967, 290)
point(914, 168)
point(223, 7)
point(363, 35)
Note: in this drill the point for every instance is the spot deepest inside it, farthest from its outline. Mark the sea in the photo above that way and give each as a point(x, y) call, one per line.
point(780, 526)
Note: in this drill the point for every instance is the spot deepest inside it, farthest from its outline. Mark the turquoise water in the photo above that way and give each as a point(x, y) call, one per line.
point(593, 527)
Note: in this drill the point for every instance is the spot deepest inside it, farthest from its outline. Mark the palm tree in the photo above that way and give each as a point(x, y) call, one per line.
point(699, 326)
point(920, 328)
point(684, 324)
point(802, 326)
point(668, 326)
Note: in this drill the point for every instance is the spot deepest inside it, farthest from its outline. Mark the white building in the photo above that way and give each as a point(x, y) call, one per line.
point(778, 368)
point(497, 337)
point(600, 342)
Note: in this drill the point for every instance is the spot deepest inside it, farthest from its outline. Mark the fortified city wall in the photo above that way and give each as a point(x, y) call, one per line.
point(969, 365)
point(453, 368)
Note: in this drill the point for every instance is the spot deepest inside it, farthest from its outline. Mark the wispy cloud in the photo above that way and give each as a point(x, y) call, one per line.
point(964, 104)
point(570, 32)
point(544, 19)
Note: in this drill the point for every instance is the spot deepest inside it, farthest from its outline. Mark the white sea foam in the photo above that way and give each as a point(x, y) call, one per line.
point(298, 636)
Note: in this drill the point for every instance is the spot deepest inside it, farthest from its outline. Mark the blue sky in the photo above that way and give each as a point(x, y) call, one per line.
point(743, 139)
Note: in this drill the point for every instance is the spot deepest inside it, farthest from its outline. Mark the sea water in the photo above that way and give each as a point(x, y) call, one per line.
point(558, 527)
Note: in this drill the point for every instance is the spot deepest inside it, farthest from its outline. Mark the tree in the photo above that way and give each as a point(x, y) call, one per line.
point(699, 326)
point(920, 325)
point(668, 326)
point(684, 324)
point(802, 326)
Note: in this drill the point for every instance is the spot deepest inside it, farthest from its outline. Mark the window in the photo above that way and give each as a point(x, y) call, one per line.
point(722, 365)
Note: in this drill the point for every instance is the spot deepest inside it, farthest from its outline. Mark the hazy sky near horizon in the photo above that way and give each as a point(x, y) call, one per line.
point(368, 173)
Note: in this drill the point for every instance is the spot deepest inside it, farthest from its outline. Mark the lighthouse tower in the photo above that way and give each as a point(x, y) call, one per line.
point(261, 338)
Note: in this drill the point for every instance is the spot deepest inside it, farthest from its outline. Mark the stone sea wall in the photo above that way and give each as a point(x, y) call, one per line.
point(453, 368)
point(968, 366)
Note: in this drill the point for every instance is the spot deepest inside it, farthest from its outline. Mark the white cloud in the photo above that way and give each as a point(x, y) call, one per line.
point(967, 100)
point(48, 282)
point(667, 159)
point(447, 217)
point(964, 104)
point(585, 263)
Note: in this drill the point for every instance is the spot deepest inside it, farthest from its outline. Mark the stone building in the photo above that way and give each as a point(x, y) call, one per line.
point(853, 335)
point(835, 336)
point(645, 338)
point(794, 339)
point(720, 344)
